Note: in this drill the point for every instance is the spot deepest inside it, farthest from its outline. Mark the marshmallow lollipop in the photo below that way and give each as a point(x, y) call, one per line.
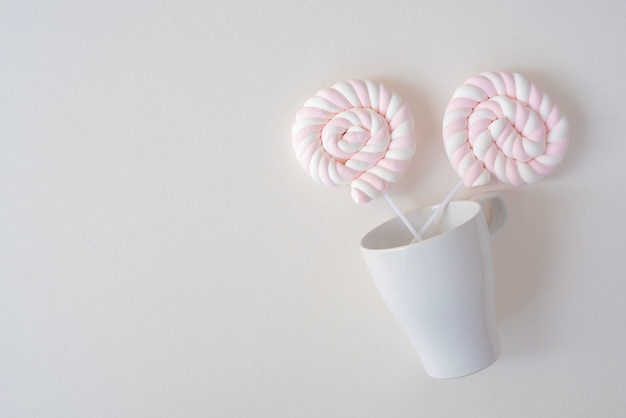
point(358, 133)
point(501, 125)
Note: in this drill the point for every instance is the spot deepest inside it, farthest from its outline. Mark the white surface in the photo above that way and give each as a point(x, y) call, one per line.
point(441, 290)
point(163, 254)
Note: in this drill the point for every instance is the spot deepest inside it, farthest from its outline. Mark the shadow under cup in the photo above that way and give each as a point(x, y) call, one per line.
point(440, 289)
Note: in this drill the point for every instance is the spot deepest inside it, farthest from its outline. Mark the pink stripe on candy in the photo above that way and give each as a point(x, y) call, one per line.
point(397, 166)
point(405, 141)
point(368, 158)
point(385, 99)
point(365, 118)
point(399, 118)
point(314, 112)
point(334, 97)
point(512, 173)
point(462, 102)
point(459, 154)
point(454, 127)
point(477, 128)
point(557, 148)
point(378, 183)
point(484, 84)
point(509, 82)
point(542, 169)
point(473, 173)
point(521, 116)
point(504, 135)
point(490, 158)
point(553, 118)
point(493, 107)
point(323, 171)
point(535, 98)
point(519, 153)
point(346, 172)
point(305, 133)
point(359, 197)
point(308, 153)
point(361, 91)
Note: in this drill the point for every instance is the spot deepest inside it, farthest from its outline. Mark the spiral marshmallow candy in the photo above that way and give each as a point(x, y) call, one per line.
point(358, 133)
point(501, 124)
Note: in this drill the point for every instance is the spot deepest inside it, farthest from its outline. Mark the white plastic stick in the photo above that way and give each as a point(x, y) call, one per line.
point(439, 210)
point(416, 235)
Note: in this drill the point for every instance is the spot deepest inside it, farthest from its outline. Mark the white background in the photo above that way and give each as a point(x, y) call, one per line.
point(163, 254)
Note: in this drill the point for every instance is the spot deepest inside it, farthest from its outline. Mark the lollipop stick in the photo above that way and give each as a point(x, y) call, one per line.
point(440, 208)
point(416, 235)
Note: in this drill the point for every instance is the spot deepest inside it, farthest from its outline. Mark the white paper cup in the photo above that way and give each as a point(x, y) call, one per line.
point(441, 289)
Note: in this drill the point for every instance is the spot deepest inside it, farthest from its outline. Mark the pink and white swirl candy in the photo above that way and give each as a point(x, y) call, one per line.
point(358, 133)
point(501, 124)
